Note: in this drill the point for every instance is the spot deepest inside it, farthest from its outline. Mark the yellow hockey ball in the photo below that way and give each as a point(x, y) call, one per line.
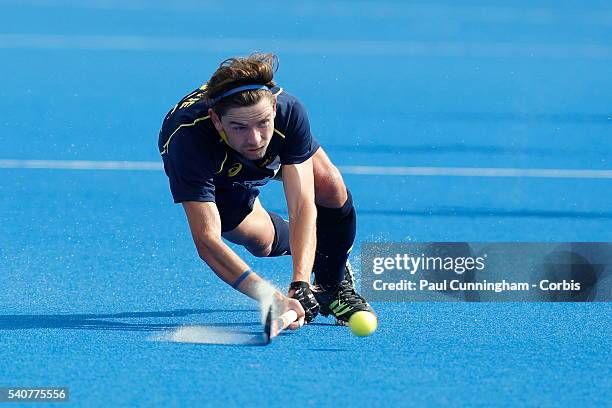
point(363, 323)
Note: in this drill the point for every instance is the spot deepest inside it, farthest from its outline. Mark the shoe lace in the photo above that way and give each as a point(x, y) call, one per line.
point(349, 275)
point(347, 293)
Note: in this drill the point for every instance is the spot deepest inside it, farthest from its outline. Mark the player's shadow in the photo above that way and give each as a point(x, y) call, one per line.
point(114, 321)
point(325, 324)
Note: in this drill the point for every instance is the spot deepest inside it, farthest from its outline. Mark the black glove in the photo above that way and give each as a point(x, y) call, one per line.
point(304, 295)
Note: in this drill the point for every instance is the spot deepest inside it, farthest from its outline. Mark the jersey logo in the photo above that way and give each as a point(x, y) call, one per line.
point(235, 169)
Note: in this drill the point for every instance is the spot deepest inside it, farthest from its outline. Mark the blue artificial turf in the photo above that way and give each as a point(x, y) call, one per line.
point(97, 267)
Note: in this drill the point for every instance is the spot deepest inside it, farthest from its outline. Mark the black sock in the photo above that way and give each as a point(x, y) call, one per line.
point(280, 246)
point(336, 229)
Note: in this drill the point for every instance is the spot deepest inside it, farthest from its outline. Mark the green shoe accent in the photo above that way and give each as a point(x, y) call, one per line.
point(343, 311)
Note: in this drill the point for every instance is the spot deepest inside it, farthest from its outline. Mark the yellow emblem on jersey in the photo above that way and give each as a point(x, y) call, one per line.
point(189, 102)
point(235, 169)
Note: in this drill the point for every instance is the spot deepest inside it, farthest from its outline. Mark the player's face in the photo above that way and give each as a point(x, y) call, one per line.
point(249, 129)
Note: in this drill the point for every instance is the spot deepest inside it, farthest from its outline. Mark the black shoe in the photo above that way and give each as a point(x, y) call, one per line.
point(349, 276)
point(343, 302)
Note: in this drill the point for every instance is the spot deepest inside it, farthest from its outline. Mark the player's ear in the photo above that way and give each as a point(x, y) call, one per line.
point(216, 120)
point(274, 105)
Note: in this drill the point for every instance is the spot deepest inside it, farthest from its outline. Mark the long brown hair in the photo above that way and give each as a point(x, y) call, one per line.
point(256, 69)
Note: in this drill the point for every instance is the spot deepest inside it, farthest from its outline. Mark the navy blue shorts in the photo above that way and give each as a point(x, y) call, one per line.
point(234, 205)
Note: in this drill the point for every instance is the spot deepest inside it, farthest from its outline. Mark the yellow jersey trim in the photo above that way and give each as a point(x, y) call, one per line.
point(223, 136)
point(279, 133)
point(280, 90)
point(195, 122)
point(222, 164)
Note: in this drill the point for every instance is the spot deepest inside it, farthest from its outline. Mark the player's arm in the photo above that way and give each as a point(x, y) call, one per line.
point(205, 225)
point(298, 183)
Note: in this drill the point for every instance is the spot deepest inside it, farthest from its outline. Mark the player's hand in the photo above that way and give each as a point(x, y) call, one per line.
point(300, 291)
point(283, 304)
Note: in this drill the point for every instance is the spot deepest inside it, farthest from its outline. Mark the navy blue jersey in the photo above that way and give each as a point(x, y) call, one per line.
point(199, 162)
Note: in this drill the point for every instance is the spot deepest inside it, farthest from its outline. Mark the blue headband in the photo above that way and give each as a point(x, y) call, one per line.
point(236, 90)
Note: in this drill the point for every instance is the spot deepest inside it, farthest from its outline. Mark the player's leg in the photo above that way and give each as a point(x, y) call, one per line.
point(336, 228)
point(261, 232)
point(336, 222)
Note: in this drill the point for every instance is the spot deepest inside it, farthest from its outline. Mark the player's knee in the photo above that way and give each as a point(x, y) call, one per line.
point(330, 190)
point(260, 250)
